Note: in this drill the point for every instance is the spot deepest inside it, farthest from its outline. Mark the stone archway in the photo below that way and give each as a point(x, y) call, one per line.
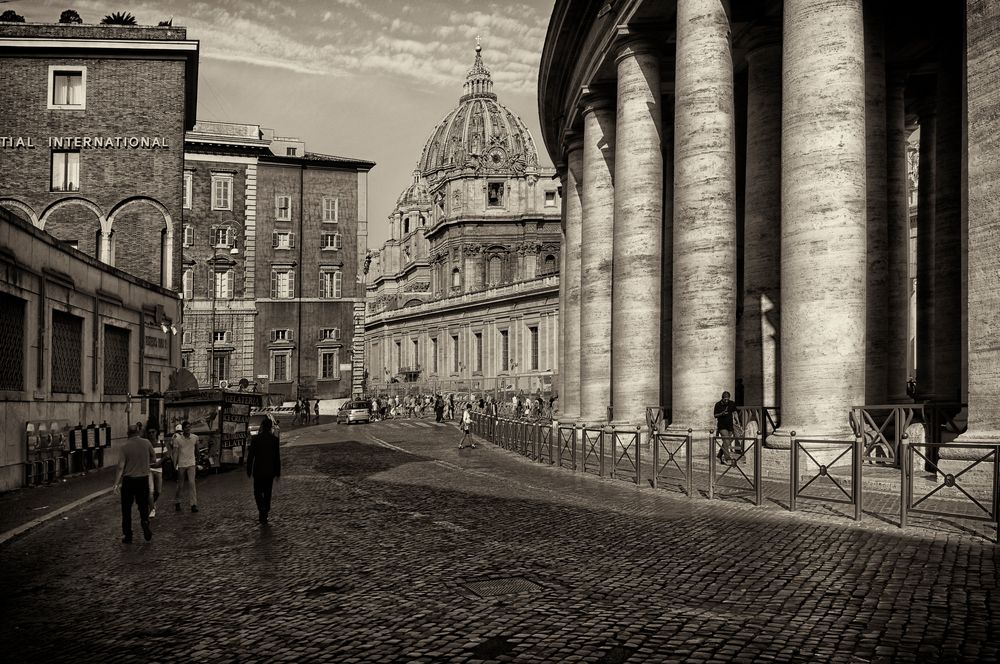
point(136, 225)
point(24, 209)
point(78, 222)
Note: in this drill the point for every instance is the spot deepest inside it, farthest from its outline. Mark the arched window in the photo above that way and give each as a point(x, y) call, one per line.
point(495, 270)
point(423, 221)
point(549, 265)
point(406, 225)
point(456, 278)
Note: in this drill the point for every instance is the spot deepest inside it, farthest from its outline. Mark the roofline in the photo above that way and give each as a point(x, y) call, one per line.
point(320, 160)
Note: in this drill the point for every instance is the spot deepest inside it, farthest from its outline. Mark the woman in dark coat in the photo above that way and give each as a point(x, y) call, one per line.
point(263, 465)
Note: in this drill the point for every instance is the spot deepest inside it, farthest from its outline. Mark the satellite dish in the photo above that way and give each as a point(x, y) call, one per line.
point(223, 383)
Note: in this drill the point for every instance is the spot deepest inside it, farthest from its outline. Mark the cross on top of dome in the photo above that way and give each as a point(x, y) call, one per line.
point(478, 82)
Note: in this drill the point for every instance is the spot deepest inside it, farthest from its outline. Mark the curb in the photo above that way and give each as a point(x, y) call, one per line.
point(20, 530)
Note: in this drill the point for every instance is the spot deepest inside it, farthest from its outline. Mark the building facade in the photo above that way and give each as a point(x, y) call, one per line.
point(274, 237)
point(748, 165)
point(87, 108)
point(463, 296)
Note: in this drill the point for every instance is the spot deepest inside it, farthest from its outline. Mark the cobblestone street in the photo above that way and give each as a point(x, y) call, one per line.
point(388, 544)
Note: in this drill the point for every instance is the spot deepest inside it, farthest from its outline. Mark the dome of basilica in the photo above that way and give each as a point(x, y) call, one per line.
point(480, 133)
point(416, 195)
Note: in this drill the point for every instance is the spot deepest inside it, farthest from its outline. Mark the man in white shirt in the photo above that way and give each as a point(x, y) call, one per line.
point(184, 453)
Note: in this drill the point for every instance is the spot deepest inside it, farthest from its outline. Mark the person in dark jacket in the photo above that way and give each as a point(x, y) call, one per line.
point(263, 465)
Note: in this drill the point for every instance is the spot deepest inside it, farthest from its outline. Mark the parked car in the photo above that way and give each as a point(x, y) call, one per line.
point(355, 411)
point(253, 426)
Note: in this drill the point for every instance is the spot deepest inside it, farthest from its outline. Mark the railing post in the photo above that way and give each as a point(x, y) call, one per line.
point(600, 439)
point(794, 470)
point(857, 477)
point(757, 470)
point(904, 462)
point(656, 458)
point(638, 456)
point(689, 465)
point(711, 464)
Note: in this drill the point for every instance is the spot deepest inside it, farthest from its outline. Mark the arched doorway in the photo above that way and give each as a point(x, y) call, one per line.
point(76, 222)
point(138, 225)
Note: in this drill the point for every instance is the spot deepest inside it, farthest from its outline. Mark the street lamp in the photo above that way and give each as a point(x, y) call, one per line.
point(213, 284)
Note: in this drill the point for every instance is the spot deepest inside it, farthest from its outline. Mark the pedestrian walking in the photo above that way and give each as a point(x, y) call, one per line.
point(184, 457)
point(438, 409)
point(451, 406)
point(723, 414)
point(155, 472)
point(467, 427)
point(263, 466)
point(296, 409)
point(132, 481)
point(316, 412)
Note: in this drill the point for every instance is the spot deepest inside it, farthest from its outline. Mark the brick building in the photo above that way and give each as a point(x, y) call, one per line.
point(273, 238)
point(87, 108)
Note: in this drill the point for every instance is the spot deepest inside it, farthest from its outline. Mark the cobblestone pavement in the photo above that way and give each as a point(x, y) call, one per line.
point(387, 544)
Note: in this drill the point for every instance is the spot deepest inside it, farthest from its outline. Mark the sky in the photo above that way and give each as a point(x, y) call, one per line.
point(355, 78)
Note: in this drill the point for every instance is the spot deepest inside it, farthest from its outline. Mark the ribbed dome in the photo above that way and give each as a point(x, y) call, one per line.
point(416, 194)
point(481, 133)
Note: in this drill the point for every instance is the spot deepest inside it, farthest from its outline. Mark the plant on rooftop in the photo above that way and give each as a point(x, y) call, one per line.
point(70, 16)
point(119, 18)
point(166, 24)
point(11, 16)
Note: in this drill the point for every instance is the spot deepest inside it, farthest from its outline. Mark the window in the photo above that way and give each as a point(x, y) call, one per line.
point(549, 264)
point(281, 335)
point(280, 361)
point(222, 237)
point(67, 352)
point(434, 355)
point(494, 194)
point(282, 284)
point(399, 355)
point(504, 350)
point(329, 364)
point(283, 208)
point(406, 226)
point(331, 210)
point(454, 353)
point(330, 241)
point(495, 270)
point(223, 284)
point(330, 283)
point(186, 360)
point(67, 88)
point(188, 235)
point(187, 284)
point(12, 311)
point(283, 240)
point(290, 152)
point(478, 366)
point(65, 170)
point(187, 337)
point(550, 199)
point(416, 353)
point(188, 186)
point(330, 334)
point(533, 334)
point(456, 278)
point(115, 360)
point(220, 336)
point(220, 366)
point(222, 192)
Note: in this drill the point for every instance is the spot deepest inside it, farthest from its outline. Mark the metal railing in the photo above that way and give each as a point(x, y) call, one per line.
point(592, 449)
point(566, 446)
point(752, 421)
point(881, 428)
point(626, 446)
point(980, 512)
point(742, 447)
point(670, 445)
point(797, 491)
point(543, 452)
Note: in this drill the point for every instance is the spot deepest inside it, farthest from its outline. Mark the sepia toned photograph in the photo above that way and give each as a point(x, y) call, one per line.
point(487, 331)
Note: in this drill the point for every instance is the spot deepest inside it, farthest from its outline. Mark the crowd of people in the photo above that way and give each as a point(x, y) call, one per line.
point(450, 406)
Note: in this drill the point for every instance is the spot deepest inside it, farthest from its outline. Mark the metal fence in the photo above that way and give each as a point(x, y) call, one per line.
point(666, 449)
point(739, 482)
point(566, 446)
point(626, 453)
point(820, 472)
point(592, 441)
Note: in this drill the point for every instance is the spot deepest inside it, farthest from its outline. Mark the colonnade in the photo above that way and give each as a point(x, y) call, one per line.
point(652, 220)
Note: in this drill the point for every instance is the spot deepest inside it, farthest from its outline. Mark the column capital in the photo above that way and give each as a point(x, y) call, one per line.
point(629, 43)
point(572, 141)
point(596, 97)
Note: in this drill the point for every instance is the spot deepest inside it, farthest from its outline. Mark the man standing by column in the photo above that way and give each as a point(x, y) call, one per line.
point(724, 410)
point(132, 481)
point(185, 447)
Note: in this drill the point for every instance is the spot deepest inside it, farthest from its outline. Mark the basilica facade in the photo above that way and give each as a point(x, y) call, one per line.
point(464, 294)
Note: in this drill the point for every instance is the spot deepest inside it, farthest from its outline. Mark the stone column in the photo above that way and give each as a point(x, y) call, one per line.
point(762, 221)
point(948, 227)
point(562, 285)
point(598, 201)
point(704, 254)
point(666, 272)
point(898, 236)
point(877, 295)
point(570, 398)
point(925, 252)
point(638, 222)
point(823, 235)
point(983, 62)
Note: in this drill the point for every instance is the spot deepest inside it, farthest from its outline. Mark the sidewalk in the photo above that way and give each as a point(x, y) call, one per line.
point(32, 505)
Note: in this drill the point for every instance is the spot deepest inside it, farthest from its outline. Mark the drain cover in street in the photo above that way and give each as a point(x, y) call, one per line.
point(506, 586)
